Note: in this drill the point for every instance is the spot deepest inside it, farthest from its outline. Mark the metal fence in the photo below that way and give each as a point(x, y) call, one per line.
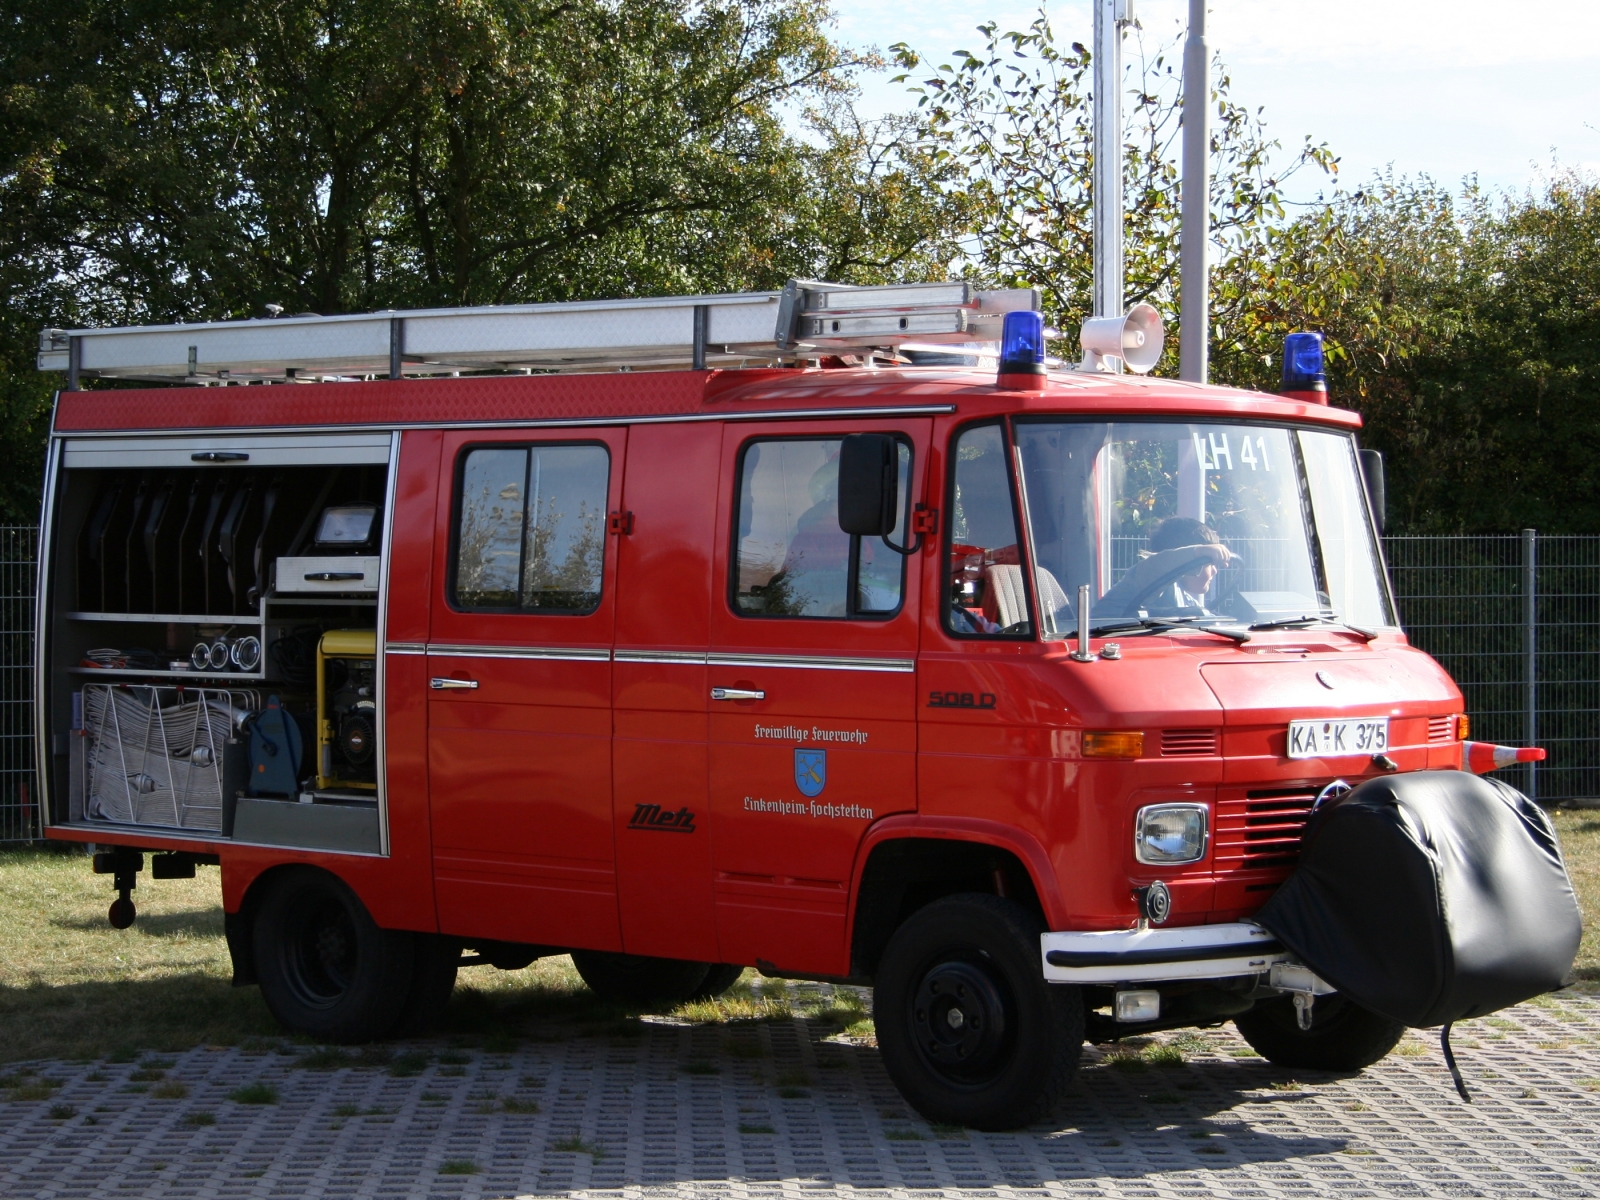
point(19, 819)
point(1515, 620)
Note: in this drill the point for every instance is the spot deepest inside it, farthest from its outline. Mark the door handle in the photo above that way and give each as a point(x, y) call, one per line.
point(332, 576)
point(440, 685)
point(737, 694)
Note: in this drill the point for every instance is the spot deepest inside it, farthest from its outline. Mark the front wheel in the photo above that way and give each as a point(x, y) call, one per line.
point(637, 980)
point(1343, 1035)
point(326, 969)
point(968, 1028)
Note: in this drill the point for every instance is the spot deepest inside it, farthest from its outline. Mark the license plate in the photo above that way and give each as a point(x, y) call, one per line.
point(1340, 735)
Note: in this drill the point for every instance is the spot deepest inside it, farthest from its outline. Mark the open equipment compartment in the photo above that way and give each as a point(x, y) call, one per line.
point(189, 585)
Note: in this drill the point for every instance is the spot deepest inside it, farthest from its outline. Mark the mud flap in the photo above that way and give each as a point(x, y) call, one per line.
point(236, 927)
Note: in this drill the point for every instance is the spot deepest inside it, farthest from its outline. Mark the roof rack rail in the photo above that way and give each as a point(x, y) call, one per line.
point(806, 319)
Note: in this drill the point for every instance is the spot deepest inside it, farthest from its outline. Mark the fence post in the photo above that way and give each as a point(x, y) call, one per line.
point(1530, 650)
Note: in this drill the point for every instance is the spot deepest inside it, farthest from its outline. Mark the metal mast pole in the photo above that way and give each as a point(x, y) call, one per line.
point(1109, 18)
point(1195, 314)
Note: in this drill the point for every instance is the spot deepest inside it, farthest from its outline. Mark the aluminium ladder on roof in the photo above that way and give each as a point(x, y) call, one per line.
point(805, 319)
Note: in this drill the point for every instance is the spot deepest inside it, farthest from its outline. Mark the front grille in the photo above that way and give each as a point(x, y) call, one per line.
point(1188, 743)
point(1442, 729)
point(1260, 830)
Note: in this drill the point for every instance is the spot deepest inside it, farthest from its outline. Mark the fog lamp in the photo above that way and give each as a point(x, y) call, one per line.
point(1114, 743)
point(1137, 1006)
point(1164, 834)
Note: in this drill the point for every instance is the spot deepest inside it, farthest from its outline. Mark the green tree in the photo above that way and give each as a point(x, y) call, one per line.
point(178, 160)
point(1017, 116)
point(1462, 327)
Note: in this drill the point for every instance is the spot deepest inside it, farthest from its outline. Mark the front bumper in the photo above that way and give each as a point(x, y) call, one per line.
point(1153, 955)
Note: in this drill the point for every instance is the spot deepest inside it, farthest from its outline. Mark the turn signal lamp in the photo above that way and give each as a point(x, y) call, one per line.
point(1303, 377)
point(1022, 350)
point(1463, 727)
point(1113, 743)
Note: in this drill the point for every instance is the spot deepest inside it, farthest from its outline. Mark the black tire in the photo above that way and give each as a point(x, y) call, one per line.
point(1343, 1035)
point(635, 979)
point(718, 980)
point(326, 969)
point(433, 978)
point(1012, 1052)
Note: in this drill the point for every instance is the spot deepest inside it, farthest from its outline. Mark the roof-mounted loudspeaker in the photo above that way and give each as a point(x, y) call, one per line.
point(1136, 338)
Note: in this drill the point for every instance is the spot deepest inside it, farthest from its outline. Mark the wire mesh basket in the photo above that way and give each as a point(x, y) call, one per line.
point(162, 755)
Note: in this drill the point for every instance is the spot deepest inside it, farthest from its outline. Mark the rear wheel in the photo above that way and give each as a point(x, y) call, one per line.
point(635, 979)
point(325, 968)
point(1343, 1035)
point(968, 1029)
point(718, 980)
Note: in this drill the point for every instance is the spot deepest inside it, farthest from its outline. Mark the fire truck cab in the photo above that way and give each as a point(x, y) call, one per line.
point(1001, 686)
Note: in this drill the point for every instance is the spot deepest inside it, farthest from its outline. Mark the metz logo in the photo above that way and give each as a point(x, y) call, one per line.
point(650, 816)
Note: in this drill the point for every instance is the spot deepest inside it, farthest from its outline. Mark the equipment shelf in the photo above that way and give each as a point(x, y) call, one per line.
point(132, 672)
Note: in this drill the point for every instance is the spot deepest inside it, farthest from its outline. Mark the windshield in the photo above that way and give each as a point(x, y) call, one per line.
point(1198, 522)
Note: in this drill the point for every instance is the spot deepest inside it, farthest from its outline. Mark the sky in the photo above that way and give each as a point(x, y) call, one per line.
point(1450, 88)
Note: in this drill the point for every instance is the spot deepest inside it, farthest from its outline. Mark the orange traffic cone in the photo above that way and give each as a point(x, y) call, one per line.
point(1482, 757)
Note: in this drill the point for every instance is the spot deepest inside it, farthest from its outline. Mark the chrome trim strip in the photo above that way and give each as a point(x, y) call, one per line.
point(919, 410)
point(547, 653)
point(695, 657)
point(815, 662)
point(405, 648)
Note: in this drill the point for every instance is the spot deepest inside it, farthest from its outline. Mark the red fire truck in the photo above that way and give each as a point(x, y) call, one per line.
point(801, 631)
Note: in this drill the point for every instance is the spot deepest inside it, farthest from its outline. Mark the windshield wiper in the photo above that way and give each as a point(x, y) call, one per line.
point(1157, 624)
point(1363, 633)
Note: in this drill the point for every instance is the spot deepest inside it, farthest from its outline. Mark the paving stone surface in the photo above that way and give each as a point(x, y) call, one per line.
point(786, 1110)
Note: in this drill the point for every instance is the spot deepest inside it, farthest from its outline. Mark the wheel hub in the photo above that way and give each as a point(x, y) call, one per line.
point(959, 1019)
point(321, 954)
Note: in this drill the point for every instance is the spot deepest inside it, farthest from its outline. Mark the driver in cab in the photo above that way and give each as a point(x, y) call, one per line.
point(1187, 591)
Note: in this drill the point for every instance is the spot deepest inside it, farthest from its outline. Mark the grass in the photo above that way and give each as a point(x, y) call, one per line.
point(72, 987)
point(576, 1145)
point(1579, 831)
point(254, 1093)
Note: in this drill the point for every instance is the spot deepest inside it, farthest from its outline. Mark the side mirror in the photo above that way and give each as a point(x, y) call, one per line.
point(869, 485)
point(1372, 471)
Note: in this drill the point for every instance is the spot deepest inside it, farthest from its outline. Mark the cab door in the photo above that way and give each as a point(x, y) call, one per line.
point(812, 730)
point(519, 687)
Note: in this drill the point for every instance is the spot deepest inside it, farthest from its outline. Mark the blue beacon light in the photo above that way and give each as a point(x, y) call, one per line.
point(1303, 375)
point(1022, 346)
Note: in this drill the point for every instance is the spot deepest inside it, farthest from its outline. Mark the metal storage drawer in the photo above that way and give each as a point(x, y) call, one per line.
point(327, 573)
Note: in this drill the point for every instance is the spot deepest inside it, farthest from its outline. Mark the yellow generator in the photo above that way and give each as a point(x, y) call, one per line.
point(347, 709)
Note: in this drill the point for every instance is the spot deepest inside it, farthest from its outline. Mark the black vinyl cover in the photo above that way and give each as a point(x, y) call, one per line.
point(1430, 897)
